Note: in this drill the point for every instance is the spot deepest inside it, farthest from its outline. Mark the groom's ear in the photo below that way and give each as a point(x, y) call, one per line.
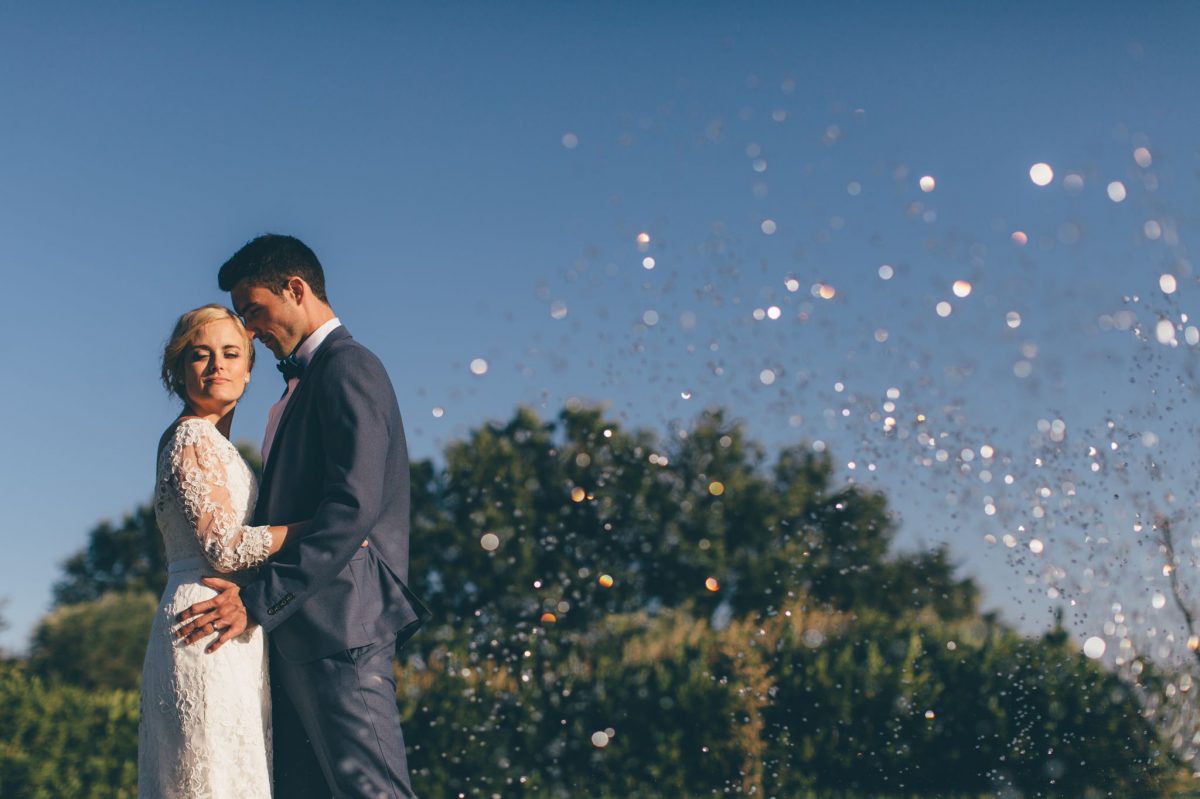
point(296, 289)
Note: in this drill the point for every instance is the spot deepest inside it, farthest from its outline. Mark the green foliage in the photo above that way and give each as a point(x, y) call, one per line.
point(804, 703)
point(97, 644)
point(126, 557)
point(572, 500)
point(58, 740)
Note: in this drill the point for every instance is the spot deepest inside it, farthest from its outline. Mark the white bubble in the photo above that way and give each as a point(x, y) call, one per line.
point(558, 310)
point(792, 284)
point(1020, 238)
point(489, 541)
point(943, 309)
point(1073, 182)
point(774, 312)
point(1116, 191)
point(1041, 174)
point(927, 183)
point(438, 412)
point(1036, 546)
point(570, 141)
point(1142, 156)
point(1022, 368)
point(648, 263)
point(767, 376)
point(768, 226)
point(1164, 331)
point(650, 318)
point(600, 739)
point(961, 288)
point(1012, 319)
point(1192, 335)
point(1166, 282)
point(1158, 601)
point(1152, 229)
point(854, 188)
point(1094, 647)
point(886, 272)
point(479, 366)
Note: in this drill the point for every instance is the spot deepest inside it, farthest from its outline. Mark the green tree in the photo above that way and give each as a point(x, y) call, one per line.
point(96, 644)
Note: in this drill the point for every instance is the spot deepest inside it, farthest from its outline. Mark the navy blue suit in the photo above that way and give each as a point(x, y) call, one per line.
point(333, 609)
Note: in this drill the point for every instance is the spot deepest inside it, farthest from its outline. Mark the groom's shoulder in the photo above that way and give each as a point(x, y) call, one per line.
point(348, 356)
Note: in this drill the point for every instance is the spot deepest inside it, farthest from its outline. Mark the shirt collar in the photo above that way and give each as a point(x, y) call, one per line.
point(307, 347)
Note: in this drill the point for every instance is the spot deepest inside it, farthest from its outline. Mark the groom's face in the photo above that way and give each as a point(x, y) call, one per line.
point(274, 319)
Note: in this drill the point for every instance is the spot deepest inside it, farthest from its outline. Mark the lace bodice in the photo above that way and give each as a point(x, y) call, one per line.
point(203, 498)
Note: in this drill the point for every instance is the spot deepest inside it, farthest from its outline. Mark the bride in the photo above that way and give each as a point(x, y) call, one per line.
point(205, 728)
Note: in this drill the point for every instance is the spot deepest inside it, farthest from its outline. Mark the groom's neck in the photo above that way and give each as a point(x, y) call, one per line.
point(315, 315)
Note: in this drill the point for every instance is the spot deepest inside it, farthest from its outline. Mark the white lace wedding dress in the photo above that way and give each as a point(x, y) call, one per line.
point(205, 730)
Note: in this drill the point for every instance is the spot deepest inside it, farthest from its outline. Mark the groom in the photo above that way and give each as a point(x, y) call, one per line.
point(334, 600)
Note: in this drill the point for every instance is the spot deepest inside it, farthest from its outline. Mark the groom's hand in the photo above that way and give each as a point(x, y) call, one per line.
point(224, 613)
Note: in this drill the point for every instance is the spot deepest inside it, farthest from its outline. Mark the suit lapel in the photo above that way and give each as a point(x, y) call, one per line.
point(310, 376)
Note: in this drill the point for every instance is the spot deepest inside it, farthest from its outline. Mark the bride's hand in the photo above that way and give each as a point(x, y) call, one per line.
point(224, 613)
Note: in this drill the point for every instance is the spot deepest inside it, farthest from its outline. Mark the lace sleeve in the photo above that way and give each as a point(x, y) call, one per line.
point(200, 478)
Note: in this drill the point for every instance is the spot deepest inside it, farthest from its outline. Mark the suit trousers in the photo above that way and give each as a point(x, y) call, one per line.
point(336, 726)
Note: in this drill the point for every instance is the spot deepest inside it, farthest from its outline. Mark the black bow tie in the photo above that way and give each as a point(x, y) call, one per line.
point(289, 367)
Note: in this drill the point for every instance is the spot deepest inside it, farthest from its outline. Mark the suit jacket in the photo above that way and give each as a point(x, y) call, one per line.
point(339, 459)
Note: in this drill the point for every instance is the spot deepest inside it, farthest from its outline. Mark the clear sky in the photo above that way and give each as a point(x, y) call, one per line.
point(474, 177)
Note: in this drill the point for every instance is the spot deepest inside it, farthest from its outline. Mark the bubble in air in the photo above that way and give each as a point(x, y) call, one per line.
point(1041, 174)
point(1094, 647)
point(479, 366)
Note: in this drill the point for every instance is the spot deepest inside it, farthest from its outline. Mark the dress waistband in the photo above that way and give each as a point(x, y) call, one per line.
point(188, 565)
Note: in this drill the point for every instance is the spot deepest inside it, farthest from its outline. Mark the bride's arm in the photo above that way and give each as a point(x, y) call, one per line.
point(200, 479)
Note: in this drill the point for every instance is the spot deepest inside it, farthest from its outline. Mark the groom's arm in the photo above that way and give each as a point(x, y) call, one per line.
point(358, 416)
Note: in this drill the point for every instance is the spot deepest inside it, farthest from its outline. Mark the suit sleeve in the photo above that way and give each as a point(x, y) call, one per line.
point(354, 400)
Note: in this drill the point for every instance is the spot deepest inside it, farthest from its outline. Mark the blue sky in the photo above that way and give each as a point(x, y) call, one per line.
point(475, 177)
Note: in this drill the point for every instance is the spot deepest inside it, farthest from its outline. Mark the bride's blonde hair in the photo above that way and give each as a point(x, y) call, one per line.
point(185, 331)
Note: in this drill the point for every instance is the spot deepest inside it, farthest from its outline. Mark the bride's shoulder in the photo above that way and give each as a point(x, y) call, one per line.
point(185, 431)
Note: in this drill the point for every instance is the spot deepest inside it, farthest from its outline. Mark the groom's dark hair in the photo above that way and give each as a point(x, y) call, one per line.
point(269, 261)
